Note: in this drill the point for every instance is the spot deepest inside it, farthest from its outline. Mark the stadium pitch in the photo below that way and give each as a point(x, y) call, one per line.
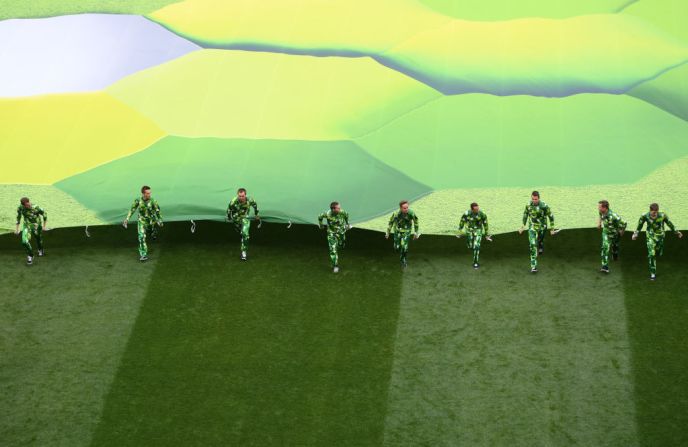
point(195, 347)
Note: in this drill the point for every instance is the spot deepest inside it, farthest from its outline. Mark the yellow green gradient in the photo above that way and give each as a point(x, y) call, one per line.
point(239, 94)
point(47, 138)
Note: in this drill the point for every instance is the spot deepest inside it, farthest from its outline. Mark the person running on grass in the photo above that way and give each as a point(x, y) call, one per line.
point(475, 222)
point(537, 214)
point(337, 221)
point(35, 221)
point(404, 224)
point(149, 220)
point(237, 214)
point(655, 235)
point(613, 227)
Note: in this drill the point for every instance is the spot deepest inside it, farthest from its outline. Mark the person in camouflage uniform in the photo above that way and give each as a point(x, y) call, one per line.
point(149, 220)
point(655, 235)
point(237, 214)
point(337, 221)
point(404, 224)
point(536, 215)
point(35, 221)
point(613, 227)
point(475, 222)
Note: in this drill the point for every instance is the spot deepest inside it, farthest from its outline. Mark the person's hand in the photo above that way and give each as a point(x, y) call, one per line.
point(459, 234)
point(16, 230)
point(387, 235)
point(45, 227)
point(160, 223)
point(489, 237)
point(520, 230)
point(415, 236)
point(679, 234)
point(258, 218)
point(635, 235)
point(553, 232)
point(621, 232)
point(599, 224)
point(320, 227)
point(125, 223)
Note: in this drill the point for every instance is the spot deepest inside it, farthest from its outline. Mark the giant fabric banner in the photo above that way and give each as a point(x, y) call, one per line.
point(367, 102)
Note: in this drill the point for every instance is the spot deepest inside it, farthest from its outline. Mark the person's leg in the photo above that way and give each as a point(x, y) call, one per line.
point(26, 240)
point(541, 239)
point(38, 234)
point(341, 240)
point(332, 244)
point(533, 241)
point(477, 239)
point(245, 228)
point(651, 254)
point(403, 246)
point(616, 246)
point(142, 229)
point(605, 249)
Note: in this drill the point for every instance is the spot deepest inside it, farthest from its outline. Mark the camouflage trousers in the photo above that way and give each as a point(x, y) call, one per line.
point(35, 230)
point(655, 247)
point(473, 240)
point(144, 231)
point(610, 244)
point(335, 242)
point(536, 240)
point(243, 226)
point(401, 243)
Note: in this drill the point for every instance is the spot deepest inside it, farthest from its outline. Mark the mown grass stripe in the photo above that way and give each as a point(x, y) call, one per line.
point(502, 357)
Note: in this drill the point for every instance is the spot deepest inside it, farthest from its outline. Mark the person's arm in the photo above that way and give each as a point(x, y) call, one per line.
point(320, 219)
point(390, 226)
point(19, 216)
point(158, 214)
point(622, 224)
point(230, 210)
point(486, 225)
point(346, 219)
point(255, 209)
point(550, 216)
point(641, 222)
point(415, 224)
point(43, 214)
point(672, 227)
point(462, 222)
point(525, 216)
point(132, 210)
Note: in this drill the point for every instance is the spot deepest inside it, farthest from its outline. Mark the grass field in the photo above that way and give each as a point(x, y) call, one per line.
point(197, 348)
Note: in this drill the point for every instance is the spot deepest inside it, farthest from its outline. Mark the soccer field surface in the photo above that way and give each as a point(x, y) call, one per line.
point(197, 348)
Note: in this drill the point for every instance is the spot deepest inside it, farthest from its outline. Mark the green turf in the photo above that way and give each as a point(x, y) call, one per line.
point(525, 360)
point(64, 324)
point(658, 327)
point(273, 351)
point(437, 355)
